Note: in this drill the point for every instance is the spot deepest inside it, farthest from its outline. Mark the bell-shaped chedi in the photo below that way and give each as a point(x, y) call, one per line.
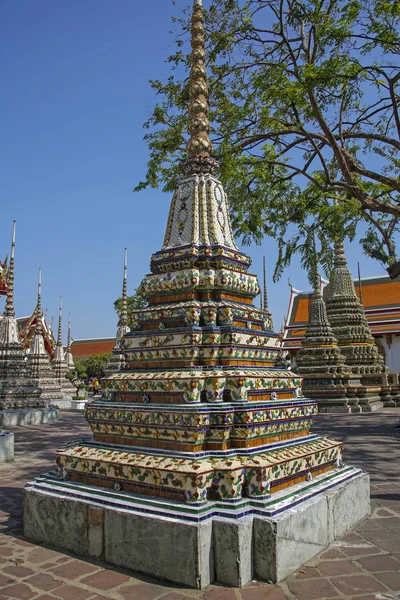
point(117, 358)
point(20, 397)
point(349, 324)
point(200, 372)
point(201, 423)
point(320, 362)
point(61, 367)
point(39, 360)
point(69, 359)
point(319, 353)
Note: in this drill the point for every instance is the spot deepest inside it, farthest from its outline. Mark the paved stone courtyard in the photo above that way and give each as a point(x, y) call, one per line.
point(364, 565)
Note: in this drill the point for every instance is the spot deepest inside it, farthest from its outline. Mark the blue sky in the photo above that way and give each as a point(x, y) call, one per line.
point(75, 94)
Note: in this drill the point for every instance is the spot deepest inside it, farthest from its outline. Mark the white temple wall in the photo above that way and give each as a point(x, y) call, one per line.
point(391, 344)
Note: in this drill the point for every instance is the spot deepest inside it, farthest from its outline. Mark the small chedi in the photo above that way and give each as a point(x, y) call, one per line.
point(69, 359)
point(348, 321)
point(339, 358)
point(200, 423)
point(320, 360)
point(39, 360)
point(61, 367)
point(117, 358)
point(21, 402)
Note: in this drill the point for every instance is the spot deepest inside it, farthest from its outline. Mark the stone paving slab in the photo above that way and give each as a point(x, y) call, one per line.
point(365, 565)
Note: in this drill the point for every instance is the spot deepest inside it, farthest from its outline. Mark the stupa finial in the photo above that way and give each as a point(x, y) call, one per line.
point(9, 308)
point(339, 258)
point(317, 286)
point(69, 333)
point(265, 297)
point(39, 304)
point(59, 336)
point(123, 320)
point(199, 146)
point(359, 284)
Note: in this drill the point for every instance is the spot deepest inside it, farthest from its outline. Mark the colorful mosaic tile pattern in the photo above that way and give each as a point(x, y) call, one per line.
point(224, 428)
point(191, 384)
point(194, 478)
point(200, 279)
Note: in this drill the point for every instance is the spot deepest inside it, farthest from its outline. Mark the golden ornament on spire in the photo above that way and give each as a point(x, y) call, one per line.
point(199, 146)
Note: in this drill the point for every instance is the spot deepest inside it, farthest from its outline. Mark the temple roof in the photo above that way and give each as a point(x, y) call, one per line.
point(380, 298)
point(3, 278)
point(26, 327)
point(92, 346)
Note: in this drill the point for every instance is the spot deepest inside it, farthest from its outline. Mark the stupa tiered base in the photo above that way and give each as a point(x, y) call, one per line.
point(352, 393)
point(229, 542)
point(201, 451)
point(345, 393)
point(183, 492)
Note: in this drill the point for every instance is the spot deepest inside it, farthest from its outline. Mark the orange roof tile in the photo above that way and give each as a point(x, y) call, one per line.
point(384, 316)
point(393, 328)
point(302, 310)
point(288, 344)
point(83, 348)
point(381, 300)
point(380, 293)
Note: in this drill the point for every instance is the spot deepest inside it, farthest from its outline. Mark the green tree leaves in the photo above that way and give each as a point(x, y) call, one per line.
point(134, 302)
point(305, 113)
point(92, 366)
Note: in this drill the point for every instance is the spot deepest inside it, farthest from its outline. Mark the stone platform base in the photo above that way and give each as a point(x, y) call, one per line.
point(6, 446)
point(64, 404)
point(78, 404)
point(334, 408)
point(393, 402)
point(231, 545)
point(33, 416)
point(349, 405)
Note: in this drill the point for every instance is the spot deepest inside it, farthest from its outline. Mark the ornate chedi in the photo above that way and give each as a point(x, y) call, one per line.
point(117, 358)
point(61, 368)
point(39, 360)
point(349, 324)
point(200, 424)
point(20, 401)
point(320, 361)
point(69, 359)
